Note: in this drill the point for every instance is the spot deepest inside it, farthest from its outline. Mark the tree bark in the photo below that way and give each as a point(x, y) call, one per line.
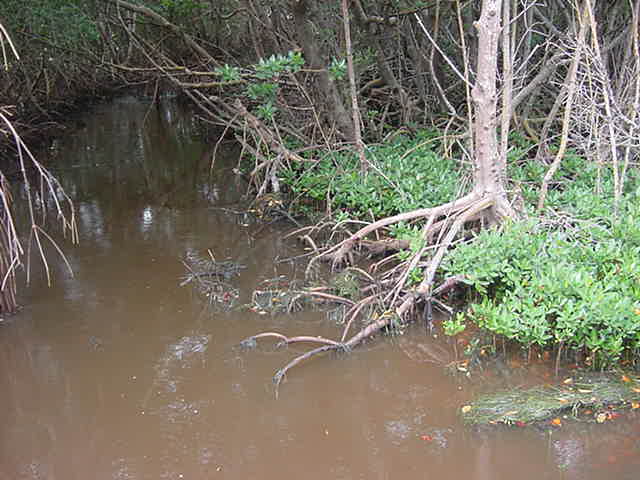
point(355, 110)
point(489, 170)
point(328, 88)
point(570, 87)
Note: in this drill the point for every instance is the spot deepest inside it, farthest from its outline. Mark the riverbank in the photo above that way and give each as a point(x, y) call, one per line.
point(563, 279)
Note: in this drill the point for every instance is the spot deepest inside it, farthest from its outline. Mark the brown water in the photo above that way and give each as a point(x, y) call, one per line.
point(120, 373)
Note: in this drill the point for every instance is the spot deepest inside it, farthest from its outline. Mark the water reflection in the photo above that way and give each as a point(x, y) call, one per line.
point(118, 373)
point(147, 219)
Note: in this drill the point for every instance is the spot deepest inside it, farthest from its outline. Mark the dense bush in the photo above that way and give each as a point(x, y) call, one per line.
point(60, 48)
point(578, 189)
point(406, 174)
point(570, 277)
point(578, 287)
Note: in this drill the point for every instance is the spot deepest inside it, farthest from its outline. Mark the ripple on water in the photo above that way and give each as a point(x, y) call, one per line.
point(398, 431)
point(179, 355)
point(122, 470)
point(569, 454)
point(184, 348)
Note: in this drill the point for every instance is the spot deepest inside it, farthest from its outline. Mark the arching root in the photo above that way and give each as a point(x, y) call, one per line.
point(400, 300)
point(337, 254)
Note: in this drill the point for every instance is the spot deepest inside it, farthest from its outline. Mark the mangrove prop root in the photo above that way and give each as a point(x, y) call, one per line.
point(280, 374)
point(345, 347)
point(424, 288)
point(460, 212)
point(284, 340)
point(337, 254)
point(353, 313)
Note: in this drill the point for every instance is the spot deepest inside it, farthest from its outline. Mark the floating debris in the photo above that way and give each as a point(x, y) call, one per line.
point(277, 301)
point(586, 393)
point(211, 278)
point(292, 298)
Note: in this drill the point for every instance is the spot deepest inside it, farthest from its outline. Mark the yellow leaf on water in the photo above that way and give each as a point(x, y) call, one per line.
point(625, 379)
point(568, 381)
point(582, 390)
point(601, 417)
point(635, 405)
point(562, 400)
point(636, 389)
point(466, 409)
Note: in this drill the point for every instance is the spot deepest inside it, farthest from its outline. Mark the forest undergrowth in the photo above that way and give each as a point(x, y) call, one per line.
point(565, 279)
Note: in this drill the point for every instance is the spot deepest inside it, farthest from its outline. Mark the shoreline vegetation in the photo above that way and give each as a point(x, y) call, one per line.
point(566, 279)
point(587, 396)
point(480, 159)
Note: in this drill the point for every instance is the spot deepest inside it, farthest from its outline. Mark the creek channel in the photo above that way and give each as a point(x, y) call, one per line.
point(118, 372)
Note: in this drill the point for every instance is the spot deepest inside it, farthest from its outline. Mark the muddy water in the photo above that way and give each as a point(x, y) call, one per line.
point(119, 373)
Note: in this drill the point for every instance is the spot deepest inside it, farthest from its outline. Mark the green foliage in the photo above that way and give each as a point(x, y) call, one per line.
point(407, 175)
point(574, 189)
point(537, 282)
point(411, 234)
point(539, 286)
point(62, 23)
point(228, 73)
point(338, 69)
point(276, 65)
point(266, 111)
point(576, 285)
point(454, 325)
point(416, 276)
point(262, 91)
point(267, 71)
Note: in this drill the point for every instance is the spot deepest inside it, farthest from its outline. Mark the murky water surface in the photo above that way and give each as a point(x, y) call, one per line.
point(120, 373)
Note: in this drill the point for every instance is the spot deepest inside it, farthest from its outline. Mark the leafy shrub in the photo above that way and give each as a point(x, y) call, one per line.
point(407, 174)
point(573, 190)
point(543, 287)
point(59, 22)
point(537, 282)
